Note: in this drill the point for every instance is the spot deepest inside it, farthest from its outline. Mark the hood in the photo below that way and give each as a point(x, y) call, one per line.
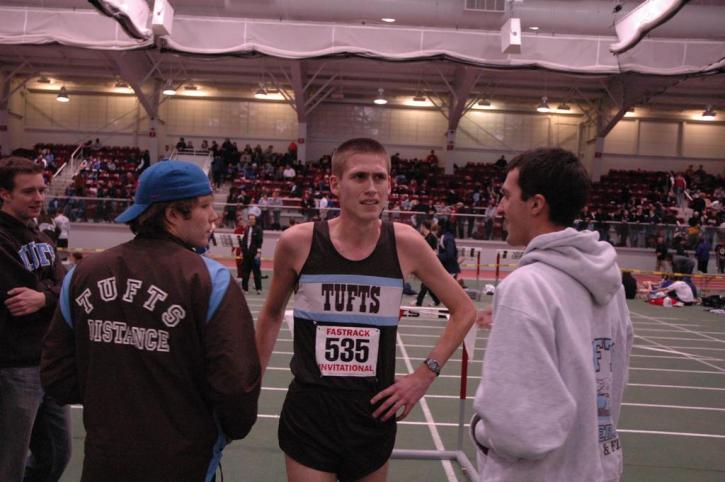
point(582, 256)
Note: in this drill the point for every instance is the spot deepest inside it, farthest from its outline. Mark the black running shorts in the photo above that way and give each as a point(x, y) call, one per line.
point(334, 431)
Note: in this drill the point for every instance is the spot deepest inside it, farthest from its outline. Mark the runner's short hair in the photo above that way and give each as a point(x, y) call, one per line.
point(12, 166)
point(360, 145)
point(559, 176)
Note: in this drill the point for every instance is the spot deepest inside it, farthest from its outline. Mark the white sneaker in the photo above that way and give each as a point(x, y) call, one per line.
point(259, 292)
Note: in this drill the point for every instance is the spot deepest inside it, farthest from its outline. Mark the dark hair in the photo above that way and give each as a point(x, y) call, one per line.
point(360, 145)
point(559, 176)
point(153, 220)
point(14, 165)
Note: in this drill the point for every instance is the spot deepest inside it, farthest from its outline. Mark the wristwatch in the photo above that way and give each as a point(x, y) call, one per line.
point(433, 365)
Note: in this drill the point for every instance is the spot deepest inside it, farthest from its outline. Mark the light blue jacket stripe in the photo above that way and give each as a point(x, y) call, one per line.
point(216, 456)
point(220, 279)
point(351, 279)
point(65, 300)
point(344, 318)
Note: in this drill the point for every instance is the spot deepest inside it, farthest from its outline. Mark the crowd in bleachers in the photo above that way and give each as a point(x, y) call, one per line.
point(628, 208)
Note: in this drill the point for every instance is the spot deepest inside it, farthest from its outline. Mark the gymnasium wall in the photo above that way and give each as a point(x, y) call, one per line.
point(649, 144)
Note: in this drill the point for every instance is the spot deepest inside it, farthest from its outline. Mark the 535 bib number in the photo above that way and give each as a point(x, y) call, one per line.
point(347, 351)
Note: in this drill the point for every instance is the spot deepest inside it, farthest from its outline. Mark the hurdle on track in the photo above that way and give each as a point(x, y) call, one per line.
point(469, 256)
point(457, 455)
point(502, 256)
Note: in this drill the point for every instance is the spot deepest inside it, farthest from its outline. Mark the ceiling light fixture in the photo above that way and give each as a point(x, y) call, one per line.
point(63, 95)
point(485, 102)
point(709, 113)
point(388, 20)
point(260, 93)
point(169, 88)
point(380, 99)
point(121, 85)
point(630, 112)
point(191, 87)
point(564, 107)
point(543, 105)
point(43, 80)
point(534, 28)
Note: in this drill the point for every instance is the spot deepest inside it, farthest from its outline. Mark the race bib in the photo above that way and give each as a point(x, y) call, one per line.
point(347, 351)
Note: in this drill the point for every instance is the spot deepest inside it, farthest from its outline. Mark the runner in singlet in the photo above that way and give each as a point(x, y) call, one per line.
point(338, 420)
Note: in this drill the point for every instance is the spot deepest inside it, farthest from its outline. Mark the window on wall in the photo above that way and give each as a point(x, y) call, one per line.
point(658, 138)
point(703, 140)
point(622, 139)
point(218, 118)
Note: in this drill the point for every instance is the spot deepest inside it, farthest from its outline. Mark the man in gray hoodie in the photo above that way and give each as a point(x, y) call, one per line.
point(557, 358)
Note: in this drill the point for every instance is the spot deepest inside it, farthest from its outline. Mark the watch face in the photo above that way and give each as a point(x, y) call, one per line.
point(433, 365)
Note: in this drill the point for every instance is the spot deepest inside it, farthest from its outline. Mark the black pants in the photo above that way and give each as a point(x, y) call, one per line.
point(251, 264)
point(421, 294)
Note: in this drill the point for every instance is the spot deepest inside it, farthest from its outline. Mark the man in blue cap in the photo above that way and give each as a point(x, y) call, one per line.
point(156, 341)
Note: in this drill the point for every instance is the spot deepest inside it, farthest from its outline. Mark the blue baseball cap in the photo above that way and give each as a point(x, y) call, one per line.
point(166, 181)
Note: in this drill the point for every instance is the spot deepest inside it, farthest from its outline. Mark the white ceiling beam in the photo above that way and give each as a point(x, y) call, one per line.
point(134, 66)
point(464, 82)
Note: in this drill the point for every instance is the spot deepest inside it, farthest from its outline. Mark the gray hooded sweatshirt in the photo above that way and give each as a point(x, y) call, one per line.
point(555, 365)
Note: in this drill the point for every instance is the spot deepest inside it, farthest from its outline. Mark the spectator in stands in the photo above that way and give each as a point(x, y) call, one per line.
point(698, 202)
point(489, 216)
point(181, 145)
point(255, 211)
point(501, 163)
point(144, 161)
point(205, 145)
point(276, 203)
point(447, 249)
point(679, 187)
point(601, 224)
point(322, 205)
point(217, 171)
point(307, 206)
point(432, 240)
point(237, 252)
point(292, 150)
point(97, 146)
point(167, 152)
point(190, 145)
point(661, 254)
point(681, 263)
point(720, 256)
point(630, 285)
point(62, 225)
point(432, 158)
point(702, 254)
point(252, 253)
point(289, 173)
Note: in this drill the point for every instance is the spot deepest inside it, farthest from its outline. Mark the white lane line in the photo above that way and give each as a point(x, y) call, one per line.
point(629, 404)
point(422, 326)
point(448, 424)
point(709, 339)
point(669, 350)
point(687, 356)
point(662, 330)
point(435, 336)
point(687, 330)
point(719, 372)
point(677, 434)
point(447, 466)
point(677, 387)
point(680, 407)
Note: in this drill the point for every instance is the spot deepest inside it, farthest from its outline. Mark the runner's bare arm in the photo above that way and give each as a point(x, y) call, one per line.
point(290, 254)
point(417, 258)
